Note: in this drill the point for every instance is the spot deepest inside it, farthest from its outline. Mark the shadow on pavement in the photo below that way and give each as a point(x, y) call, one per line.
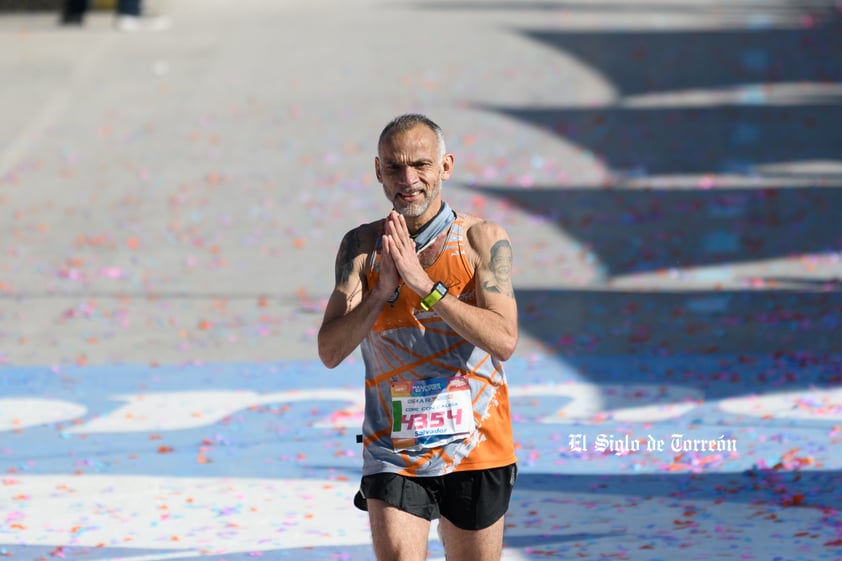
point(645, 230)
point(737, 125)
point(592, 322)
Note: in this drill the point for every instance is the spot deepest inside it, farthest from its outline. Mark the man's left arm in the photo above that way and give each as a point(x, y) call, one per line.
point(492, 323)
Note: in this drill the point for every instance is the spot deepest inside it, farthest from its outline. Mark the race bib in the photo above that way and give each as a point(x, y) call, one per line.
point(431, 413)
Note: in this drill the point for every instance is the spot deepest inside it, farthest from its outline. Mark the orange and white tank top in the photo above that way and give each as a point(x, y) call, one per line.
point(408, 344)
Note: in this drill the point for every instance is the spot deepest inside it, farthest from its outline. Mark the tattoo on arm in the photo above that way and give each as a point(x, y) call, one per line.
point(348, 250)
point(500, 264)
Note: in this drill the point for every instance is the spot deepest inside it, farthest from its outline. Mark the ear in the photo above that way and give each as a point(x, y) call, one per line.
point(377, 169)
point(446, 166)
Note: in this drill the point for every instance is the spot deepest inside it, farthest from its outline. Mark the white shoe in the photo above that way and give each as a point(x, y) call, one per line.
point(142, 23)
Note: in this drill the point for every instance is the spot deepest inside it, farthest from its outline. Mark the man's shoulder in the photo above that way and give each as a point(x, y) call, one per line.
point(479, 230)
point(366, 234)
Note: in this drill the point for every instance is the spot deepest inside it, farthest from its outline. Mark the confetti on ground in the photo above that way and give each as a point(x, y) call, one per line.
point(173, 202)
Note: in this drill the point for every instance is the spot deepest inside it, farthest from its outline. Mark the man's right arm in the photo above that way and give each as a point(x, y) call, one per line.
point(351, 310)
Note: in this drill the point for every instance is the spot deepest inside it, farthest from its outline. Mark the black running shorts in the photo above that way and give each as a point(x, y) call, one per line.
point(471, 500)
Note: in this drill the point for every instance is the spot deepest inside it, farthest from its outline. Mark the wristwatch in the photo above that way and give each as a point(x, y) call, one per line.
point(439, 290)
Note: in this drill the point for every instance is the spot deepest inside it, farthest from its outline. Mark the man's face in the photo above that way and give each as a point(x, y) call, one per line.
point(411, 171)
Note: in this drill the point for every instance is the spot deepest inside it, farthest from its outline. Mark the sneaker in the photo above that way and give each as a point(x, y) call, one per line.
point(142, 23)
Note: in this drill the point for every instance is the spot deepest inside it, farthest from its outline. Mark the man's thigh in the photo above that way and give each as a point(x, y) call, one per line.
point(397, 535)
point(472, 545)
